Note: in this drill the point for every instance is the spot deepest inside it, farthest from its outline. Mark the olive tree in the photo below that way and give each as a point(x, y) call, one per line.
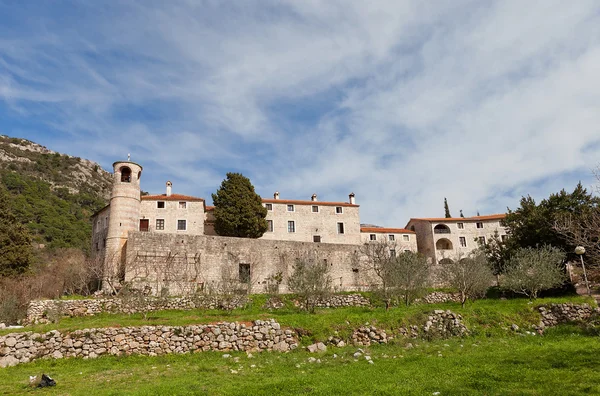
point(399, 276)
point(471, 276)
point(310, 281)
point(531, 270)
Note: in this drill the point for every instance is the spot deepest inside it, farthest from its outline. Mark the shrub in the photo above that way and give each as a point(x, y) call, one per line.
point(530, 270)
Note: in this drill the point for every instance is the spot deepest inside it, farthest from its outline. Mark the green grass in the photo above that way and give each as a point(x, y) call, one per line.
point(559, 363)
point(492, 360)
point(489, 317)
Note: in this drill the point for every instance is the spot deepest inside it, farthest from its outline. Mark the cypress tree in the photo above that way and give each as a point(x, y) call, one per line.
point(447, 209)
point(238, 208)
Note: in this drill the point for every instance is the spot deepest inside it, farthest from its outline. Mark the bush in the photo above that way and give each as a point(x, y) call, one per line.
point(530, 270)
point(471, 276)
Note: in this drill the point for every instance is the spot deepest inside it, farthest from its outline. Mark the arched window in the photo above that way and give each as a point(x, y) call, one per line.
point(441, 229)
point(125, 175)
point(443, 244)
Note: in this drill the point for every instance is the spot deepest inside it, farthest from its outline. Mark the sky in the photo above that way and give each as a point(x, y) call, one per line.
point(401, 102)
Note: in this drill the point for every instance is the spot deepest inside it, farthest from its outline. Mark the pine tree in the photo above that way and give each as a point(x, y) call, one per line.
point(238, 208)
point(447, 209)
point(15, 241)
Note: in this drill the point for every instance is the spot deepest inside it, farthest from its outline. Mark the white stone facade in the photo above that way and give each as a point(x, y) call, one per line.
point(179, 214)
point(452, 238)
point(400, 238)
point(312, 221)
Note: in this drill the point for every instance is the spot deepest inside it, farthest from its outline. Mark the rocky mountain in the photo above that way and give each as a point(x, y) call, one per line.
point(59, 170)
point(53, 194)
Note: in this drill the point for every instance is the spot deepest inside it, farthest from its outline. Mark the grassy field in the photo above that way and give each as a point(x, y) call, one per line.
point(559, 363)
point(493, 360)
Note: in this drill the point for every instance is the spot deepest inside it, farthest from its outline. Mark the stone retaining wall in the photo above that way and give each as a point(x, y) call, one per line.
point(44, 311)
point(554, 314)
point(24, 347)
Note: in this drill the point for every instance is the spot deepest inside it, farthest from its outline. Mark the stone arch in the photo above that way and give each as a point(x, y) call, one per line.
point(446, 261)
point(443, 244)
point(125, 174)
point(441, 229)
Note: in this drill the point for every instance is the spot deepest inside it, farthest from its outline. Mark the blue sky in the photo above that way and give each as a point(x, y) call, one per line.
point(401, 102)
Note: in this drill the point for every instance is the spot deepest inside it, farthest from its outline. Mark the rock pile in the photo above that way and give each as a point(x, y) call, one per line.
point(367, 335)
point(42, 311)
point(444, 324)
point(274, 302)
point(344, 300)
point(554, 314)
point(439, 297)
point(146, 340)
point(409, 332)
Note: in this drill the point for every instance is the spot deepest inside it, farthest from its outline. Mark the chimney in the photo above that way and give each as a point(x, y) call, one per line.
point(313, 198)
point(276, 195)
point(352, 200)
point(169, 185)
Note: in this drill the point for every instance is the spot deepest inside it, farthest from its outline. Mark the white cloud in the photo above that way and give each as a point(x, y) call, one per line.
point(480, 103)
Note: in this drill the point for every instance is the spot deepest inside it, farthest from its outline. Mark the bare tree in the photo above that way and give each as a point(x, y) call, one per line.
point(470, 275)
point(530, 270)
point(583, 229)
point(409, 275)
point(310, 281)
point(403, 275)
point(379, 257)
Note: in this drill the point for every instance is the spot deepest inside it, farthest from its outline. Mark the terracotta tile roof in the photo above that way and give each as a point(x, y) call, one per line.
point(383, 230)
point(499, 216)
point(172, 197)
point(209, 208)
point(299, 202)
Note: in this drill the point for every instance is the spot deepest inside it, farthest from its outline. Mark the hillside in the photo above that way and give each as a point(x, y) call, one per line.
point(53, 194)
point(60, 171)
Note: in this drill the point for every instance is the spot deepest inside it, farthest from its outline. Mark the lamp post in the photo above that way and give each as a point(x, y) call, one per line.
point(580, 250)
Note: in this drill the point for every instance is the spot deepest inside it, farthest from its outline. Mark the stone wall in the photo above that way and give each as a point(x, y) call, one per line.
point(44, 311)
point(261, 335)
point(183, 264)
point(555, 314)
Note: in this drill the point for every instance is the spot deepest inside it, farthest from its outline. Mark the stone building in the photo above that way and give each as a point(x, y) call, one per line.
point(167, 241)
point(442, 239)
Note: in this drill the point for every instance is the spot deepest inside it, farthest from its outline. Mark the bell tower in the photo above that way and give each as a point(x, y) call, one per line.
point(124, 217)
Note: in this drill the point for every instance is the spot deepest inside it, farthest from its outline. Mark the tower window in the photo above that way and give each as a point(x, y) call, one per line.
point(125, 175)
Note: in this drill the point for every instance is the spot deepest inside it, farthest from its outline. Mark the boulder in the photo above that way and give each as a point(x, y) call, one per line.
point(8, 361)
